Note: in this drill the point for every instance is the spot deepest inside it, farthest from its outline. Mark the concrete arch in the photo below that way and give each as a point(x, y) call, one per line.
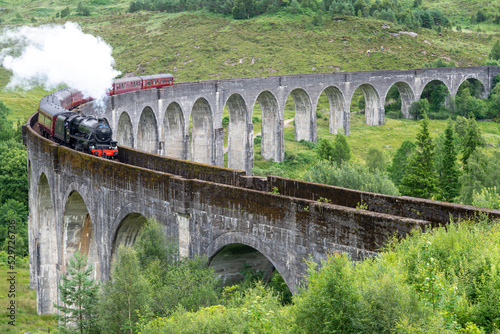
point(173, 131)
point(374, 112)
point(407, 97)
point(46, 252)
point(202, 133)
point(272, 142)
point(230, 238)
point(240, 138)
point(337, 109)
point(424, 84)
point(484, 92)
point(303, 115)
point(147, 132)
point(125, 131)
point(230, 260)
point(78, 232)
point(128, 230)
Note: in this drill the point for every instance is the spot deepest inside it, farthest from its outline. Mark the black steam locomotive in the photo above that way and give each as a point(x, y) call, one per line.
point(88, 133)
point(83, 133)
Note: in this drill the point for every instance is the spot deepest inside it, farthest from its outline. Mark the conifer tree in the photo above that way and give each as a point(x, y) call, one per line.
point(450, 173)
point(471, 141)
point(421, 179)
point(324, 149)
point(341, 150)
point(79, 296)
point(125, 295)
point(400, 162)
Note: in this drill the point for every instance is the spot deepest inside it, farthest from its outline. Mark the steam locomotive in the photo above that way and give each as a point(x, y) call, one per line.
point(88, 133)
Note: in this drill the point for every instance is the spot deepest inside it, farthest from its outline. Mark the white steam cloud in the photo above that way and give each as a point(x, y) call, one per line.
point(53, 55)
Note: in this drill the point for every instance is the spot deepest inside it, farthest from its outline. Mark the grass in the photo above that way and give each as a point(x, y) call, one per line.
point(27, 319)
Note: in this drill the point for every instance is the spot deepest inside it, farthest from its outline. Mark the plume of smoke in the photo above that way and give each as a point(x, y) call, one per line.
point(55, 55)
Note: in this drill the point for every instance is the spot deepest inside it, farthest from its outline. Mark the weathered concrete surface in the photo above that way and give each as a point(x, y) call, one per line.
point(164, 115)
point(80, 202)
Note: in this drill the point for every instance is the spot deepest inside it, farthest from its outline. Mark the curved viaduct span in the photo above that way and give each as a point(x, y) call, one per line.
point(158, 121)
point(80, 202)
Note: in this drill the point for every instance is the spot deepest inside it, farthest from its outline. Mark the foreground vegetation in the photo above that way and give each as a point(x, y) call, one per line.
point(442, 280)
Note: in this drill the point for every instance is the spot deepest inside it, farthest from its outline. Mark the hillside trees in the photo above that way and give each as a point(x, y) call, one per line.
point(124, 295)
point(400, 162)
point(421, 180)
point(14, 183)
point(449, 172)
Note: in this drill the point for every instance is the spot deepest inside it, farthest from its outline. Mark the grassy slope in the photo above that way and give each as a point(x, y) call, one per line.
point(26, 316)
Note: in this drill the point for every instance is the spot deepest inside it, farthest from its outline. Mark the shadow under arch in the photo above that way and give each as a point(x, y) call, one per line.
point(147, 132)
point(202, 133)
point(374, 115)
point(478, 88)
point(249, 241)
point(336, 101)
point(238, 139)
point(127, 231)
point(78, 232)
point(303, 115)
point(271, 137)
point(407, 97)
point(45, 257)
point(173, 132)
point(125, 131)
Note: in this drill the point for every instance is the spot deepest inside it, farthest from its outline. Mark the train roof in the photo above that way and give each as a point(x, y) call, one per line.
point(52, 109)
point(144, 77)
point(128, 79)
point(157, 76)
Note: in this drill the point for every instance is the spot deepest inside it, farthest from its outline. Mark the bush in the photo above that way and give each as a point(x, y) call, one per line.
point(351, 176)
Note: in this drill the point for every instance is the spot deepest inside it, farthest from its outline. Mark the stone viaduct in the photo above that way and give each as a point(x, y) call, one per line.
point(81, 202)
point(185, 120)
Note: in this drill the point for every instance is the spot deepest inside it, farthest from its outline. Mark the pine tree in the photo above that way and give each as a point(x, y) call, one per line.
point(341, 150)
point(324, 149)
point(472, 140)
point(125, 295)
point(400, 162)
point(450, 173)
point(78, 294)
point(421, 179)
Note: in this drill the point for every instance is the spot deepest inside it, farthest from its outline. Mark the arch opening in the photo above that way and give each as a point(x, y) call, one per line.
point(125, 132)
point(128, 231)
point(437, 96)
point(173, 132)
point(79, 233)
point(147, 132)
point(366, 99)
point(331, 105)
point(266, 125)
point(469, 100)
point(302, 115)
point(201, 132)
point(237, 262)
point(45, 257)
point(398, 101)
point(231, 262)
